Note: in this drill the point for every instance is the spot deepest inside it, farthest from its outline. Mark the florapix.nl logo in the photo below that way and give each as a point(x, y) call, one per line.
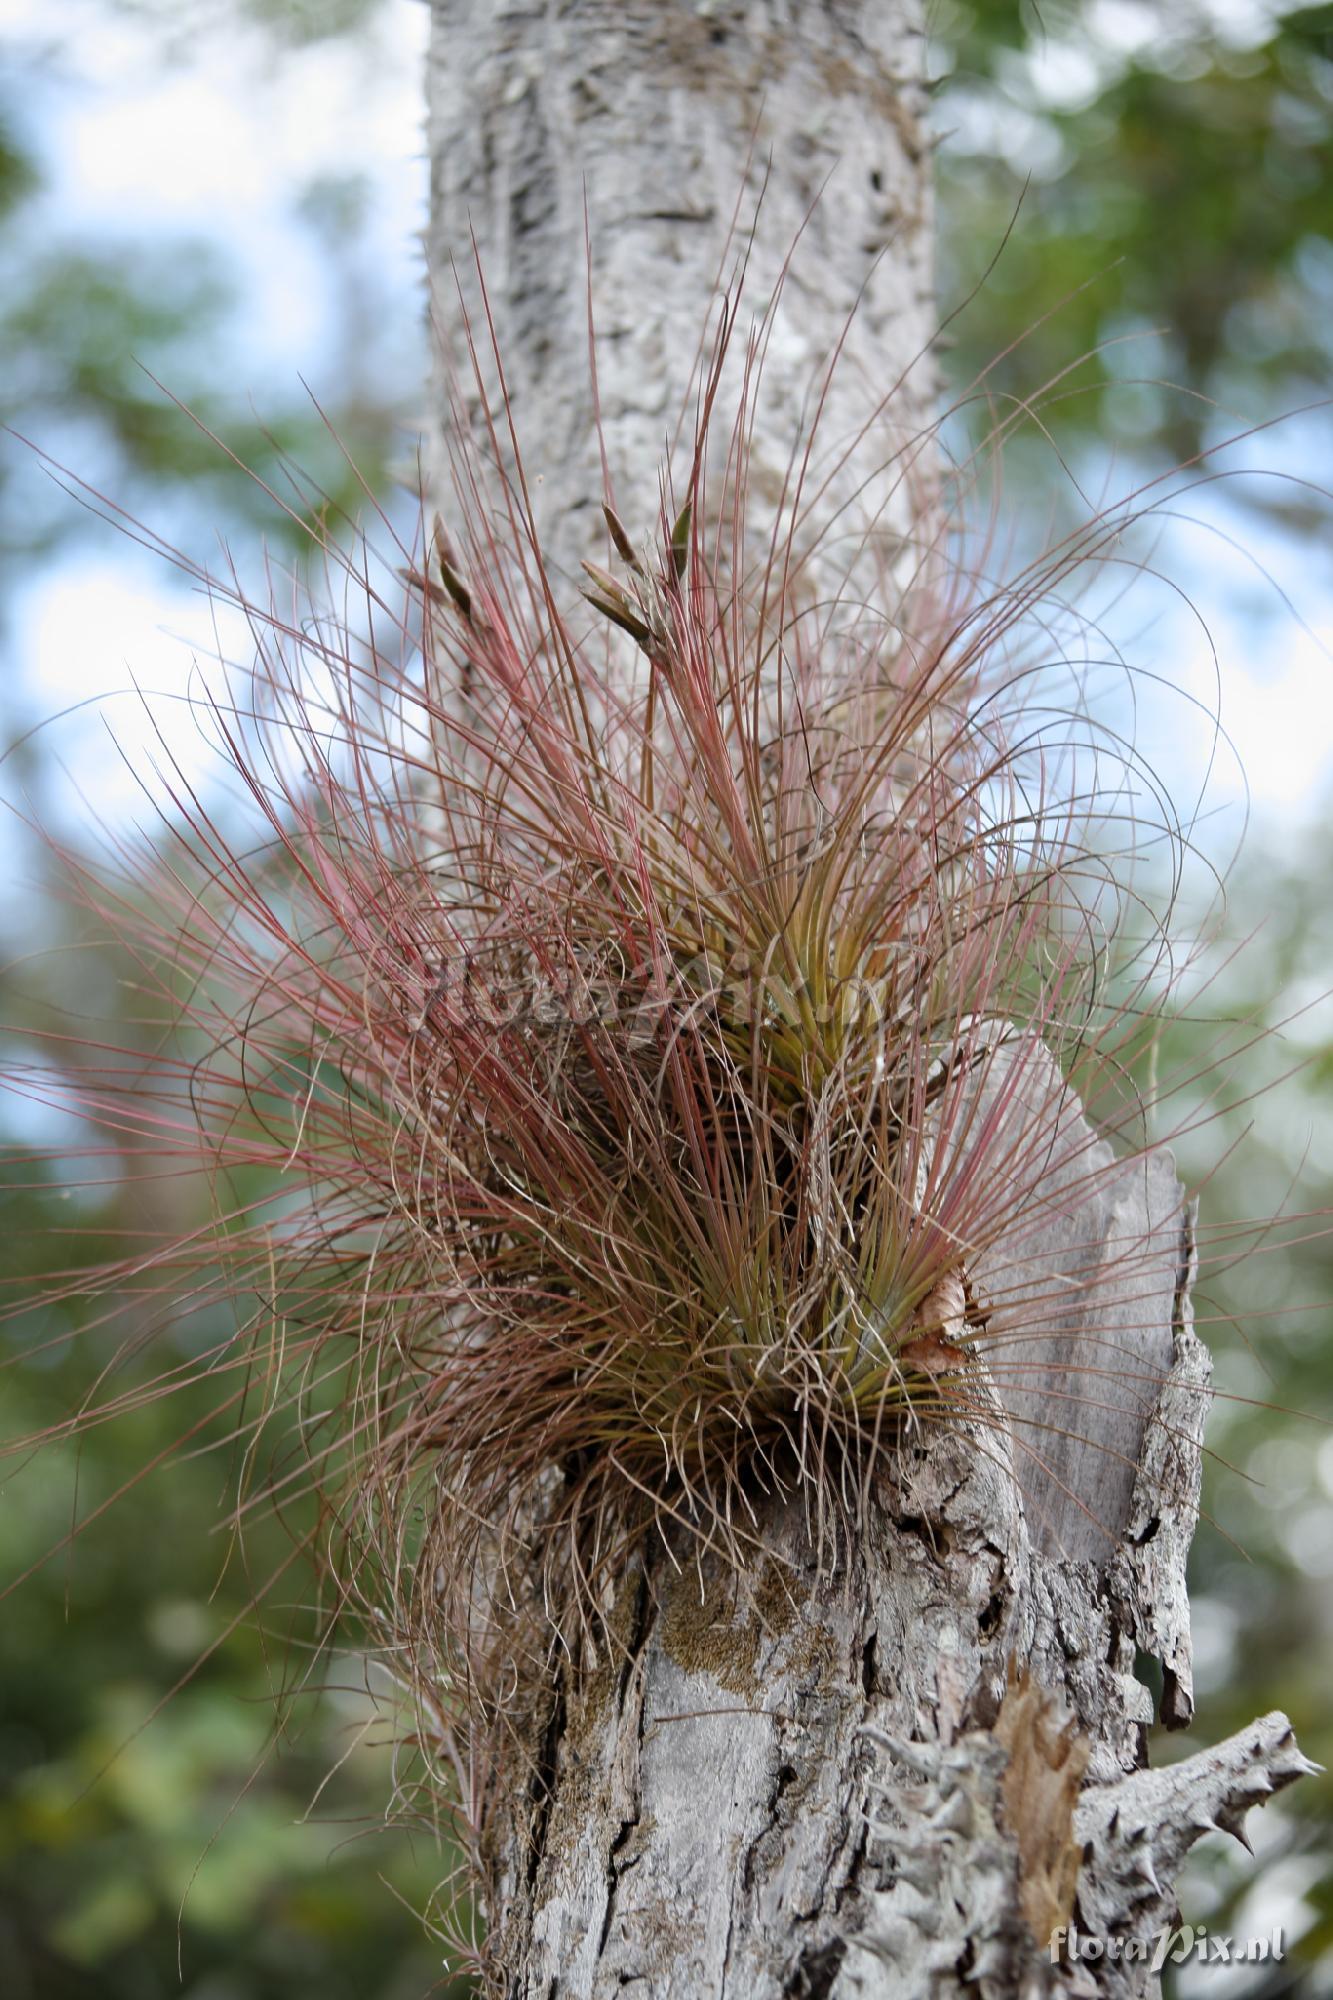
point(1172, 1945)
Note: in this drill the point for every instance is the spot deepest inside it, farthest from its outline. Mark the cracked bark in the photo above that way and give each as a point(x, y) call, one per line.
point(791, 1785)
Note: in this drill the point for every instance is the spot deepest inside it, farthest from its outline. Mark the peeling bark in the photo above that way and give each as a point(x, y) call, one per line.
point(788, 1784)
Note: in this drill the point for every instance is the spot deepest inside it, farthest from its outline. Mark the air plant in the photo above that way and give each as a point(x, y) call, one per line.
point(621, 1027)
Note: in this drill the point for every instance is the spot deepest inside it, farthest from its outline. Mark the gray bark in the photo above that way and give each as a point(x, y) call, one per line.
point(814, 1778)
point(670, 119)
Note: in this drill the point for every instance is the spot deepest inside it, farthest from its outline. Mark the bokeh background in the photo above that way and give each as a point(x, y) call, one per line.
point(217, 206)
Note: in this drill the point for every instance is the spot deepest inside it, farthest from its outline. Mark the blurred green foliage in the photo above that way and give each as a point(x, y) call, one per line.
point(97, 336)
point(117, 347)
point(1167, 177)
point(151, 1816)
point(1152, 182)
point(1261, 1567)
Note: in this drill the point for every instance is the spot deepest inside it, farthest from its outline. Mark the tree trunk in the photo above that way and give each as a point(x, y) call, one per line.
point(671, 121)
point(846, 1776)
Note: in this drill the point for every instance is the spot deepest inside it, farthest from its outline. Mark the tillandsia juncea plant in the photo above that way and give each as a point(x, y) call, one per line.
point(659, 1020)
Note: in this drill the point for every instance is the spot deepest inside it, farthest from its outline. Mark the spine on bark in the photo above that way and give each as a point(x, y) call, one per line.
point(695, 1016)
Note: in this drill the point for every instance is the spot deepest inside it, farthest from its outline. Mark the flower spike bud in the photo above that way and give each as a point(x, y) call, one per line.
point(453, 582)
point(624, 547)
point(680, 539)
point(614, 603)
